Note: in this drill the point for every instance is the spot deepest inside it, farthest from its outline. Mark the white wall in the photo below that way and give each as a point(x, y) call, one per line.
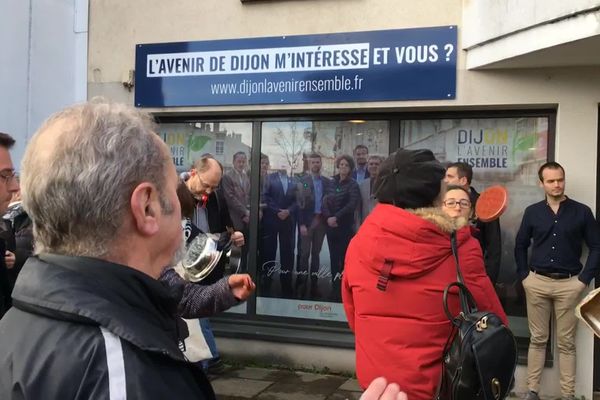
point(485, 20)
point(42, 63)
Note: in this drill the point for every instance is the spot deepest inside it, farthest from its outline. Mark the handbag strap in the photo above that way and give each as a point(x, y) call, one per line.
point(467, 304)
point(459, 276)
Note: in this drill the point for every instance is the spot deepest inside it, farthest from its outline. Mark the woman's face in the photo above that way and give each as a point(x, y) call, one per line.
point(457, 204)
point(344, 168)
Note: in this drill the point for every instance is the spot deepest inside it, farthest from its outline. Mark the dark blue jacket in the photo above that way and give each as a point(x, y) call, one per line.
point(276, 200)
point(354, 174)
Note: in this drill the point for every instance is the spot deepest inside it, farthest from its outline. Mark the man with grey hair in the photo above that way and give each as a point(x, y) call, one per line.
point(368, 201)
point(236, 189)
point(89, 318)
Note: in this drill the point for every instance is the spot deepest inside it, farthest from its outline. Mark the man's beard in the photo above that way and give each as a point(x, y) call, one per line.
point(179, 254)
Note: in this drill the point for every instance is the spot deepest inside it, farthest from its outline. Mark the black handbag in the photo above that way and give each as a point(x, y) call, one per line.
point(480, 355)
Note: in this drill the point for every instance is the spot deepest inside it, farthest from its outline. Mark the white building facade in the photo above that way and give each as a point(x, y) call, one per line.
point(523, 87)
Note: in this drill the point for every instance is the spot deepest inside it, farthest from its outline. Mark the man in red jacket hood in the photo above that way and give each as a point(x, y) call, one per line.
point(396, 269)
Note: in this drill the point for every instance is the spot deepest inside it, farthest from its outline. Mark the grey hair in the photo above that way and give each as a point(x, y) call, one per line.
point(78, 189)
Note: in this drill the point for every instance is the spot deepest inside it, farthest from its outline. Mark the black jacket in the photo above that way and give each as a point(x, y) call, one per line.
point(216, 208)
point(18, 236)
point(489, 237)
point(5, 282)
point(341, 201)
point(218, 219)
point(81, 328)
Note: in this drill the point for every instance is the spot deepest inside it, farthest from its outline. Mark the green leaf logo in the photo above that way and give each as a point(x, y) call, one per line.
point(524, 143)
point(198, 142)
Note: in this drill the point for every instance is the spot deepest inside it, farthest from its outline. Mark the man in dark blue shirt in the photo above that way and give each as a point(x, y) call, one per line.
point(554, 277)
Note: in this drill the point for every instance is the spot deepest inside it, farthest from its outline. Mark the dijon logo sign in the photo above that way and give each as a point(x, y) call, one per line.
point(401, 64)
point(483, 148)
point(498, 144)
point(185, 146)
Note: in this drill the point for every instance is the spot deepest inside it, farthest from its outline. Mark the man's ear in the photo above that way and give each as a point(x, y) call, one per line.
point(463, 181)
point(145, 208)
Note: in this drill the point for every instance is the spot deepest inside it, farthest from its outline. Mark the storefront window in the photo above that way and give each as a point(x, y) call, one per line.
point(230, 143)
point(190, 140)
point(298, 270)
point(505, 151)
point(300, 254)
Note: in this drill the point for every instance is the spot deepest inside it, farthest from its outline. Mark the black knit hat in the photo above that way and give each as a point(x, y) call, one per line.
point(409, 179)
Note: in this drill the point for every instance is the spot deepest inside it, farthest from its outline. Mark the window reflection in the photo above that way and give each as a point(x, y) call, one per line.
point(228, 142)
point(506, 151)
point(190, 140)
point(311, 206)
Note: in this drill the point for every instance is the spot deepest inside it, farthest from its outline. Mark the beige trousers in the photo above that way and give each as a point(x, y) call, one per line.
point(545, 295)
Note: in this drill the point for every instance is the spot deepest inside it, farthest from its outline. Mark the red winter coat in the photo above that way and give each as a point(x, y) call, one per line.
point(400, 333)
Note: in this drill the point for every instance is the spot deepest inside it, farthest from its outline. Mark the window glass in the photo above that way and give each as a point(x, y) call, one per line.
point(300, 256)
point(230, 143)
point(188, 141)
point(506, 151)
point(219, 147)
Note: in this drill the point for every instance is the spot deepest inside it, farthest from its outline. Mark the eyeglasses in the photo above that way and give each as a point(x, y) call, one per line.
point(8, 175)
point(206, 185)
point(453, 202)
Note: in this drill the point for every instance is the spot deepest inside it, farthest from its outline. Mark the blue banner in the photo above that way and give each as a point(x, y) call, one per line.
point(400, 64)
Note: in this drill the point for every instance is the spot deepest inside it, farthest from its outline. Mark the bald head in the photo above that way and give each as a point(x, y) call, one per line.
point(205, 176)
point(79, 171)
point(207, 162)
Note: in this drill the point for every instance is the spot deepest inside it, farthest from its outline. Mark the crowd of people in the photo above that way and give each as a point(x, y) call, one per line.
point(297, 214)
point(103, 296)
point(400, 262)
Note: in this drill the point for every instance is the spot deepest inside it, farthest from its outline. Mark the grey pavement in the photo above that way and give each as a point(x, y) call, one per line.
point(239, 383)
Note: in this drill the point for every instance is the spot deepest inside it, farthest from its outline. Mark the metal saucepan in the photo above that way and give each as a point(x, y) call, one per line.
point(201, 257)
point(588, 310)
